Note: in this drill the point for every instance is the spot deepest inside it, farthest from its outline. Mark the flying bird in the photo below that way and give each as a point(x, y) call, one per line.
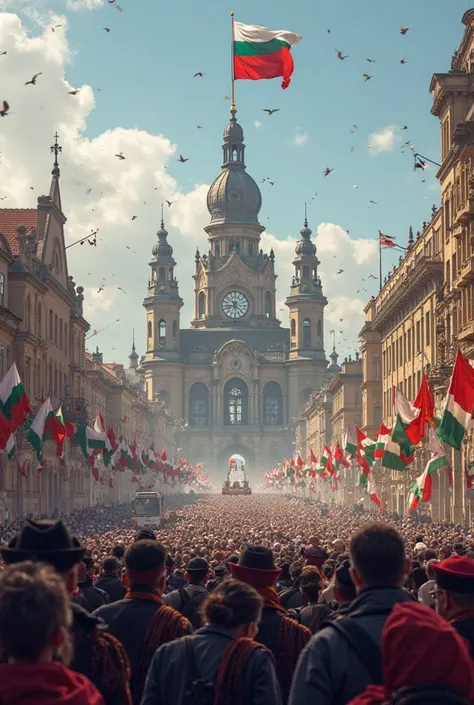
point(3, 53)
point(403, 61)
point(55, 27)
point(327, 171)
point(404, 30)
point(111, 2)
point(367, 77)
point(340, 271)
point(372, 276)
point(120, 156)
point(134, 217)
point(405, 127)
point(106, 29)
point(340, 55)
point(32, 82)
point(270, 111)
point(170, 203)
point(6, 108)
point(101, 288)
point(182, 159)
point(374, 202)
point(199, 127)
point(199, 73)
point(117, 7)
point(419, 164)
point(371, 61)
point(272, 183)
point(74, 92)
point(120, 289)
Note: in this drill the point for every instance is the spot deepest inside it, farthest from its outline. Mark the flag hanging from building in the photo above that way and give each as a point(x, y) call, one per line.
point(383, 436)
point(260, 52)
point(14, 403)
point(459, 404)
point(41, 430)
point(350, 441)
point(6, 430)
point(421, 490)
point(365, 451)
point(11, 446)
point(398, 450)
point(339, 457)
point(414, 417)
point(91, 442)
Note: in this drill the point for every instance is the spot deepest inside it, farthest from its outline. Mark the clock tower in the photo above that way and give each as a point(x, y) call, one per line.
point(235, 280)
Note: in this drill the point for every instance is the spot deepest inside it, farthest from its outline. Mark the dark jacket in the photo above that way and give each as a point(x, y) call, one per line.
point(168, 676)
point(465, 627)
point(95, 597)
point(329, 671)
point(313, 615)
point(100, 657)
point(112, 585)
point(291, 598)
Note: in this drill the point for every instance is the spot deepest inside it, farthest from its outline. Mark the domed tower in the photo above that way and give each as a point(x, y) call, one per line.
point(163, 301)
point(306, 301)
point(235, 280)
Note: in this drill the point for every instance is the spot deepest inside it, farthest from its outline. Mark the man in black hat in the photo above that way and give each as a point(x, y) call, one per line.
point(454, 594)
point(219, 575)
point(188, 599)
point(97, 654)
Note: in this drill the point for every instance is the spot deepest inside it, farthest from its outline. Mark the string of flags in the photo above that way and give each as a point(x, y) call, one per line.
point(102, 451)
point(394, 447)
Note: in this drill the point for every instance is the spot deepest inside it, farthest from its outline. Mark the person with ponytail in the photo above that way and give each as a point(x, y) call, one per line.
point(220, 664)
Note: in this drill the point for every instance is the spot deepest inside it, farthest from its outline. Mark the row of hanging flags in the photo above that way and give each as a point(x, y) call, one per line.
point(395, 447)
point(102, 450)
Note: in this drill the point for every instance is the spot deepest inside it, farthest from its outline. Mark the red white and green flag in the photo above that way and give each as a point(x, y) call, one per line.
point(398, 449)
point(11, 447)
point(421, 490)
point(92, 442)
point(365, 451)
point(383, 436)
point(350, 441)
point(373, 494)
point(326, 461)
point(469, 472)
point(260, 52)
point(41, 430)
point(14, 404)
point(438, 458)
point(6, 430)
point(415, 416)
point(339, 457)
point(459, 404)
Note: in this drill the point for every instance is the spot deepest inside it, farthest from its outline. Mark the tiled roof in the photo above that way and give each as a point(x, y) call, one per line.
point(11, 218)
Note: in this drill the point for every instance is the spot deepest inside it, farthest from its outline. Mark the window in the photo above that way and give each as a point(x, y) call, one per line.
point(319, 329)
point(268, 304)
point(418, 337)
point(306, 333)
point(55, 385)
point(217, 249)
point(307, 391)
point(61, 333)
point(235, 403)
point(161, 274)
point(175, 329)
point(272, 405)
point(2, 289)
point(66, 338)
point(2, 361)
point(150, 330)
point(50, 379)
point(39, 321)
point(201, 304)
point(28, 313)
point(198, 405)
point(293, 328)
point(56, 328)
point(305, 272)
point(162, 332)
point(250, 248)
point(408, 345)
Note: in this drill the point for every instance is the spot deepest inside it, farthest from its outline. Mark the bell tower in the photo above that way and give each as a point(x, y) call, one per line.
point(306, 301)
point(163, 301)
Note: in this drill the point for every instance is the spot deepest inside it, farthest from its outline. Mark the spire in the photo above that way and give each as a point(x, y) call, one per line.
point(410, 237)
point(305, 214)
point(333, 366)
point(133, 357)
point(162, 250)
point(54, 193)
point(56, 149)
point(162, 221)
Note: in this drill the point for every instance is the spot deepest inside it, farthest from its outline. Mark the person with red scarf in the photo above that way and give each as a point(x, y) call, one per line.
point(278, 632)
point(424, 661)
point(35, 618)
point(454, 594)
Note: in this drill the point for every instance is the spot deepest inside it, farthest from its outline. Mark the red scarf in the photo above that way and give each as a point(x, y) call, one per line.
point(270, 598)
point(132, 595)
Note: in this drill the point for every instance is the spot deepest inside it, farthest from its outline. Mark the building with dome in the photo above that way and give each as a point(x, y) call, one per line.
point(236, 377)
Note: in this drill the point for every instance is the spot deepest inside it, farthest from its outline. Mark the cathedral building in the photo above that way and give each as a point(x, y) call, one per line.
point(236, 378)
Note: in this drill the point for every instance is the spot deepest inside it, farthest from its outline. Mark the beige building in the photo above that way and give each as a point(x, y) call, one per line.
point(236, 378)
point(43, 330)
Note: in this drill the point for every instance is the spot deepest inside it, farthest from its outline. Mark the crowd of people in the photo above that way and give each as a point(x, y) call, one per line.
point(259, 600)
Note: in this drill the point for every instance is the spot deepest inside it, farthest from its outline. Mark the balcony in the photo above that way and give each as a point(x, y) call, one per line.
point(465, 273)
point(467, 332)
point(465, 212)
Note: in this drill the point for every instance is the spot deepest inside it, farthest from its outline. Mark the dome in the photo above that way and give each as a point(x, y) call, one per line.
point(234, 197)
point(305, 246)
point(162, 250)
point(233, 132)
point(333, 367)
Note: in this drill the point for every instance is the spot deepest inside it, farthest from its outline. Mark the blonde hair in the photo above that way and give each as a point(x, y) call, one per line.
point(34, 606)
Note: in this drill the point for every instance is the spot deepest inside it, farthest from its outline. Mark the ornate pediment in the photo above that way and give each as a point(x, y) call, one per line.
point(235, 357)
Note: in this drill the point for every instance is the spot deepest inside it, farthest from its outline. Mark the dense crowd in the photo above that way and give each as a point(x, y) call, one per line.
point(255, 600)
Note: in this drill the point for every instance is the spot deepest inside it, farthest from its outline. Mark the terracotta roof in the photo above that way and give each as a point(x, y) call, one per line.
point(11, 218)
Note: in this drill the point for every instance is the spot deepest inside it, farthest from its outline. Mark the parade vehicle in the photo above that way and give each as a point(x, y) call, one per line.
point(236, 482)
point(148, 509)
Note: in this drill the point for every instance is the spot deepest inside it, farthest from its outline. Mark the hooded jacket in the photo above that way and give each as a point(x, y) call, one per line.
point(45, 684)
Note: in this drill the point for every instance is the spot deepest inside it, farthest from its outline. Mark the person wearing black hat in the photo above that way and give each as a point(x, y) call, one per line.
point(97, 654)
point(188, 599)
point(220, 572)
point(277, 631)
point(454, 594)
point(141, 621)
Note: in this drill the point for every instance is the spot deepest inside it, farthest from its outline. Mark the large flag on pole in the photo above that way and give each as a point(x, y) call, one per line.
point(14, 403)
point(398, 449)
point(260, 52)
point(459, 404)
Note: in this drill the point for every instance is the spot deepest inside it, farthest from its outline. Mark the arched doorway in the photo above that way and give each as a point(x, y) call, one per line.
point(223, 461)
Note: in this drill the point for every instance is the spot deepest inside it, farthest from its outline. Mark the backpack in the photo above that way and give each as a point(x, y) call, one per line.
point(427, 695)
point(189, 607)
point(197, 690)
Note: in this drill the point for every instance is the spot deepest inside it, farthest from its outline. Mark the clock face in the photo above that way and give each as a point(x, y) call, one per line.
point(235, 304)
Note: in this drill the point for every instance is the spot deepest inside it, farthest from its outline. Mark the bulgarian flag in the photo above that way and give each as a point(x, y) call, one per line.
point(350, 441)
point(459, 404)
point(6, 430)
point(260, 52)
point(42, 430)
point(91, 442)
point(398, 450)
point(11, 446)
point(61, 431)
point(14, 403)
point(383, 436)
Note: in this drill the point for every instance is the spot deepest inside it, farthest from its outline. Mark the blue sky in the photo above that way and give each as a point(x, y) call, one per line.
point(144, 69)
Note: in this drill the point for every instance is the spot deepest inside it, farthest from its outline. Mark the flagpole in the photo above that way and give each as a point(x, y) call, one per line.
point(232, 91)
point(380, 264)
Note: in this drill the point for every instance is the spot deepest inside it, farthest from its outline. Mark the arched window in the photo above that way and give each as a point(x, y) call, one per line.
point(162, 332)
point(202, 304)
point(268, 304)
point(306, 272)
point(306, 333)
point(319, 329)
point(217, 249)
point(175, 329)
point(293, 328)
point(161, 274)
point(235, 403)
point(150, 330)
point(272, 404)
point(198, 405)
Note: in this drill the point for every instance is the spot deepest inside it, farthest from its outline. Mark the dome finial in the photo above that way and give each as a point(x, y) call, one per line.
point(162, 221)
point(305, 214)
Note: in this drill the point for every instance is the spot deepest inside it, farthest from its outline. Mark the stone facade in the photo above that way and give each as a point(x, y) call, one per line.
point(236, 378)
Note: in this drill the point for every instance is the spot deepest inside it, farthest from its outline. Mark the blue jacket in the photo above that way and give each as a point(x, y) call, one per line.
point(329, 671)
point(169, 676)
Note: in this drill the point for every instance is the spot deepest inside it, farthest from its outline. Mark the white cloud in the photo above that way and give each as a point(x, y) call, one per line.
point(300, 138)
point(257, 123)
point(78, 5)
point(95, 300)
point(384, 140)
